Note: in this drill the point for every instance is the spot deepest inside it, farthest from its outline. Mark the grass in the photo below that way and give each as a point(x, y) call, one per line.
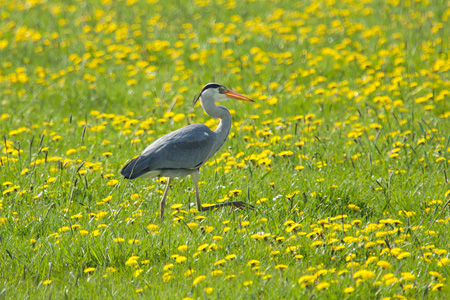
point(345, 152)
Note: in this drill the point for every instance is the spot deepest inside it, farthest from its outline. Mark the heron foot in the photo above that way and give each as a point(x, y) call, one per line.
point(241, 205)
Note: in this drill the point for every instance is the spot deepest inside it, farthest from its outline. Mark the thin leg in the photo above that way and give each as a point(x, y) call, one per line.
point(197, 195)
point(238, 204)
point(162, 204)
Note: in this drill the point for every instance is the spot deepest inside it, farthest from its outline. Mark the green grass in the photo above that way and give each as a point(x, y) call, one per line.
point(345, 153)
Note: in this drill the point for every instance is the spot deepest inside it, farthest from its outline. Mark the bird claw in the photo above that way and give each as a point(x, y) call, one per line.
point(242, 205)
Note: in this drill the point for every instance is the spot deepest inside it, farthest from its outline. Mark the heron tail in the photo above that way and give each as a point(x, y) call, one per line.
point(132, 170)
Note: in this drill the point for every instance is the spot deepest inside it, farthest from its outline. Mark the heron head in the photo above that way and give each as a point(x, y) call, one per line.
point(220, 93)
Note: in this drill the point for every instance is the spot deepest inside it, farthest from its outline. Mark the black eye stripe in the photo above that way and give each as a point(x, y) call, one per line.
point(211, 86)
point(208, 86)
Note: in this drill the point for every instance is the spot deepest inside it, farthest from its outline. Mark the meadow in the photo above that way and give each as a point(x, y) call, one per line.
point(344, 154)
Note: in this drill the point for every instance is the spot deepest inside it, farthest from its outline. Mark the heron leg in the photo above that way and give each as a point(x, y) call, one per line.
point(238, 204)
point(162, 204)
point(195, 177)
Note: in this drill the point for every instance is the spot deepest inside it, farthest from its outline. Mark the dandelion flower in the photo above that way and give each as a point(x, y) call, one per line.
point(253, 262)
point(322, 285)
point(438, 287)
point(281, 267)
point(384, 264)
point(89, 270)
point(199, 279)
point(349, 290)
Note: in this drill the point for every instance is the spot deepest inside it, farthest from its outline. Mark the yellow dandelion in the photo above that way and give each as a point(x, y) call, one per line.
point(443, 262)
point(438, 287)
point(253, 262)
point(112, 182)
point(198, 279)
point(182, 248)
point(281, 267)
point(89, 270)
point(364, 274)
point(216, 273)
point(403, 255)
point(230, 256)
point(322, 285)
point(248, 283)
point(384, 264)
point(408, 276)
point(349, 290)
point(152, 227)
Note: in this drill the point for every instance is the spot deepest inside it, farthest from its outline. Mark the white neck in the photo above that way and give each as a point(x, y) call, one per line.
point(217, 112)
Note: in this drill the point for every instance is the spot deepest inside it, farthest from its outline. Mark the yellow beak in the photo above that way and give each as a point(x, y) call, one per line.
point(234, 95)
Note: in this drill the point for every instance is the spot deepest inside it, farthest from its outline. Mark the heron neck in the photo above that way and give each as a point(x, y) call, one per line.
point(219, 112)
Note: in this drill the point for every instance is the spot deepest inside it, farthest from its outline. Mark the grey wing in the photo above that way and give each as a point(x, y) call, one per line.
point(186, 148)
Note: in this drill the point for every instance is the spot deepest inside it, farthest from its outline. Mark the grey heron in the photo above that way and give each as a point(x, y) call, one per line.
point(183, 151)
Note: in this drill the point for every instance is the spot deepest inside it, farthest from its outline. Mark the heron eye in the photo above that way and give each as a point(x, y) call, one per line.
point(221, 90)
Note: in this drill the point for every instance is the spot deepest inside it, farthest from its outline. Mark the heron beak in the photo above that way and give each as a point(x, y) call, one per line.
point(234, 95)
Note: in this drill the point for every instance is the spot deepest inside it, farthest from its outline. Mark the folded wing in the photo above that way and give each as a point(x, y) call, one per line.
point(186, 148)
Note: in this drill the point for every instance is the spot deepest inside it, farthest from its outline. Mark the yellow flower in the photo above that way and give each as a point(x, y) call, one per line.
point(89, 270)
point(322, 285)
point(178, 117)
point(131, 82)
point(384, 264)
point(176, 206)
point(107, 199)
point(438, 287)
point(46, 282)
point(436, 275)
point(230, 256)
point(199, 279)
point(349, 290)
point(152, 227)
point(281, 267)
point(71, 151)
point(253, 262)
point(306, 280)
point(403, 255)
point(408, 276)
point(220, 262)
point(180, 259)
point(112, 182)
point(443, 262)
point(364, 274)
point(216, 273)
point(192, 225)
point(182, 248)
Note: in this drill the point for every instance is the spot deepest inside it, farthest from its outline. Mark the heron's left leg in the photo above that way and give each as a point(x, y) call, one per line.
point(162, 204)
point(238, 204)
point(195, 177)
